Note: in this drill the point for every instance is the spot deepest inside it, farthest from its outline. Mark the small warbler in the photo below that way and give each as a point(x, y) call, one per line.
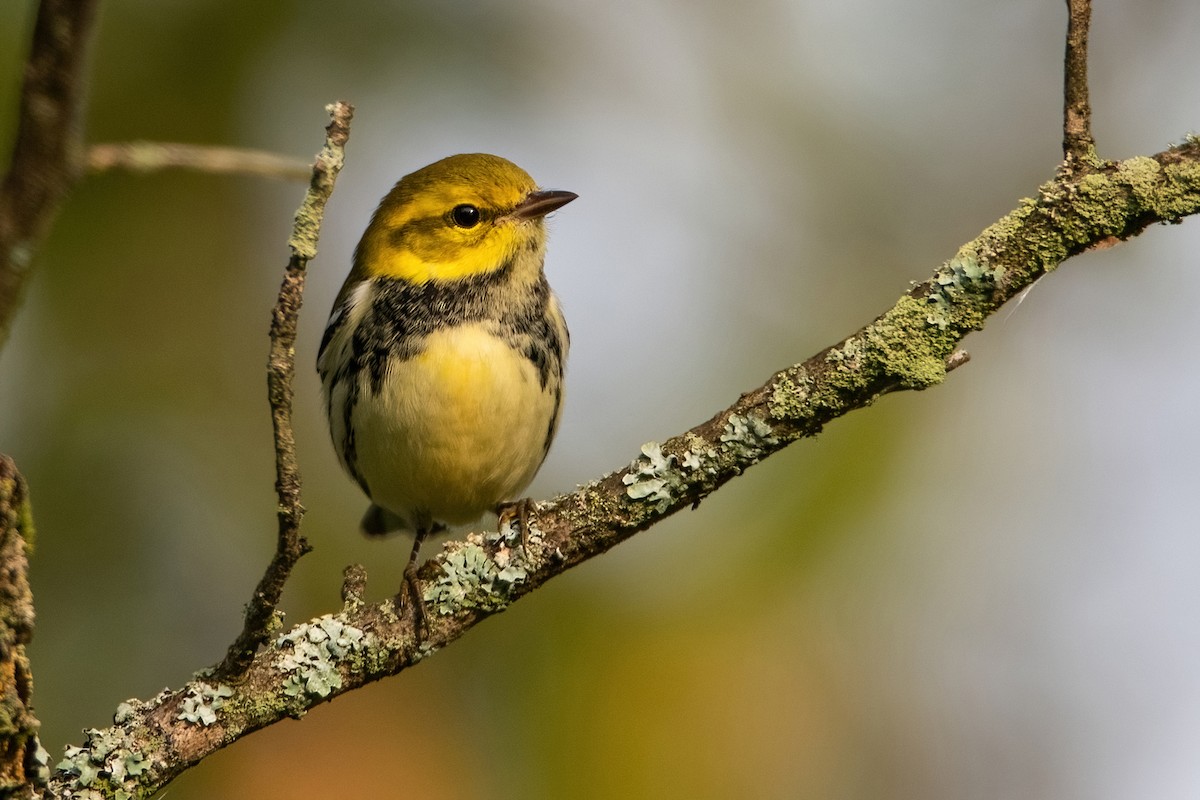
point(442, 361)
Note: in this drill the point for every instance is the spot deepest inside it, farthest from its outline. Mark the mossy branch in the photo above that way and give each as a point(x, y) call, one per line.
point(23, 761)
point(910, 346)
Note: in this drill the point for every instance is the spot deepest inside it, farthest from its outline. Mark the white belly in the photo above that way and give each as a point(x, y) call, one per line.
point(455, 430)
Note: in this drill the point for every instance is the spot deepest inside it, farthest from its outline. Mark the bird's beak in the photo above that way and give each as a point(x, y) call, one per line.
point(542, 202)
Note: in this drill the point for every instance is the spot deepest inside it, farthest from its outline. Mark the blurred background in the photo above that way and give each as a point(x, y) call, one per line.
point(987, 590)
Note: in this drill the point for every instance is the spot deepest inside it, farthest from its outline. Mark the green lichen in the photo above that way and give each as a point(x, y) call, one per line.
point(790, 397)
point(652, 478)
point(907, 347)
point(39, 769)
point(1116, 201)
point(1168, 192)
point(701, 459)
point(846, 358)
point(105, 766)
point(424, 650)
point(511, 570)
point(136, 764)
point(747, 438)
point(1013, 240)
point(1096, 205)
point(18, 513)
point(77, 761)
point(315, 652)
point(592, 504)
point(470, 578)
point(957, 288)
point(125, 712)
point(202, 702)
point(1143, 176)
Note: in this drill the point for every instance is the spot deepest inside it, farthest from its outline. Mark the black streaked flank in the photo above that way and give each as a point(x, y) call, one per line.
point(553, 426)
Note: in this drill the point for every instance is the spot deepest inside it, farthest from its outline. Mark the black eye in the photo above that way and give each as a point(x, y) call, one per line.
point(465, 215)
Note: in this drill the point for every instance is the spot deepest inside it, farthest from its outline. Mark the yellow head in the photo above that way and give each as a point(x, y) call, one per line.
point(461, 216)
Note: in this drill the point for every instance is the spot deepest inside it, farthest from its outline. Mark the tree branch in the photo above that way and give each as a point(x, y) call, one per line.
point(281, 368)
point(1078, 145)
point(47, 152)
point(156, 156)
point(910, 346)
point(23, 761)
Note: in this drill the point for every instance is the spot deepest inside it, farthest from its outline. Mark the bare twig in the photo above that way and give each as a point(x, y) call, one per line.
point(46, 154)
point(1078, 145)
point(155, 156)
point(281, 367)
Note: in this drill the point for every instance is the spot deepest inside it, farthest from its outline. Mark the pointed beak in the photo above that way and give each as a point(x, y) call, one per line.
point(542, 202)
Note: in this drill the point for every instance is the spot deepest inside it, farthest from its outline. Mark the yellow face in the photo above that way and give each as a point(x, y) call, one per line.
point(461, 216)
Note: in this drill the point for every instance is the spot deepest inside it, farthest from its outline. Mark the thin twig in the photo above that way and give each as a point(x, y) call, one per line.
point(1078, 145)
point(141, 156)
point(46, 153)
point(281, 367)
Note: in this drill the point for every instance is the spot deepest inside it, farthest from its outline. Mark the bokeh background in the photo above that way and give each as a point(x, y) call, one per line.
point(986, 590)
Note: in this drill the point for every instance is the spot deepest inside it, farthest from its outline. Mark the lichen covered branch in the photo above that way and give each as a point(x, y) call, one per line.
point(23, 761)
point(281, 368)
point(910, 346)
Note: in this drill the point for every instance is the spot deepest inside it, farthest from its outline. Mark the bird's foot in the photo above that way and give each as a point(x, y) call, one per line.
point(517, 513)
point(412, 586)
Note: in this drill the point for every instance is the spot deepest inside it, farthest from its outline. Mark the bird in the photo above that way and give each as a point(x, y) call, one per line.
point(442, 361)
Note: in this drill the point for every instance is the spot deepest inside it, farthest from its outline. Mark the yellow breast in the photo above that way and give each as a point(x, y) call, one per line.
point(455, 430)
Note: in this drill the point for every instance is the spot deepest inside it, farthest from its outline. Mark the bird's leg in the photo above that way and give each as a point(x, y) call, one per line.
point(413, 585)
point(520, 510)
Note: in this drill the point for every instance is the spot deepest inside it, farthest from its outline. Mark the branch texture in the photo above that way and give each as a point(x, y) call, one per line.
point(910, 346)
point(23, 761)
point(281, 369)
point(1078, 144)
point(46, 154)
point(158, 156)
